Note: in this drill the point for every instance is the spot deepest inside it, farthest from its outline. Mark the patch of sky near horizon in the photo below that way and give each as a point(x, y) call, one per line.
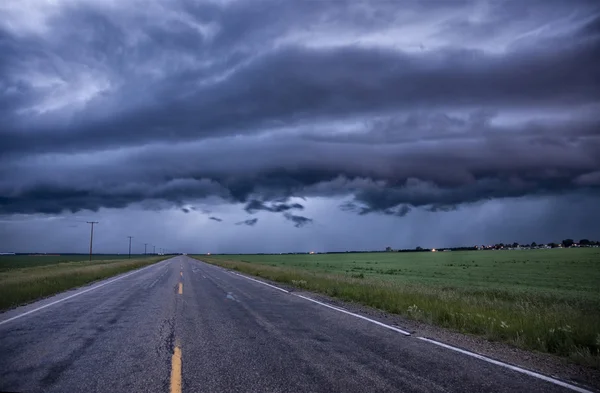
point(522, 220)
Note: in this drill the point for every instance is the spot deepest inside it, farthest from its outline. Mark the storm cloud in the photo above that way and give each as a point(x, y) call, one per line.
point(250, 222)
point(299, 221)
point(428, 105)
point(254, 205)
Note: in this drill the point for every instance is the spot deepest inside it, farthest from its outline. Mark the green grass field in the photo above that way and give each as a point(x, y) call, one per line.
point(27, 278)
point(547, 300)
point(20, 261)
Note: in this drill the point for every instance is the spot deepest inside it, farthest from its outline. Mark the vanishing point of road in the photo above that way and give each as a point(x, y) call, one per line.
point(182, 325)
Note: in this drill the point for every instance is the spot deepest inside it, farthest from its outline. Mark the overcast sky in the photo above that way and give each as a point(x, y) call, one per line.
point(259, 126)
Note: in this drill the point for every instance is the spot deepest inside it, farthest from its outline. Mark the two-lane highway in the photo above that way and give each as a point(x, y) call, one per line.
point(183, 325)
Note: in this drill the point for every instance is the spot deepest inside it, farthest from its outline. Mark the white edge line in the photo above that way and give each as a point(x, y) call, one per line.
point(509, 366)
point(475, 355)
point(355, 315)
point(76, 294)
point(261, 282)
point(329, 306)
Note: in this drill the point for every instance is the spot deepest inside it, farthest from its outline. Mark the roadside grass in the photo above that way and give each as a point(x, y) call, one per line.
point(19, 286)
point(558, 314)
point(8, 262)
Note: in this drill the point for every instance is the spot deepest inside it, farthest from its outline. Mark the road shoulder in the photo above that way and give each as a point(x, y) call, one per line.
point(546, 364)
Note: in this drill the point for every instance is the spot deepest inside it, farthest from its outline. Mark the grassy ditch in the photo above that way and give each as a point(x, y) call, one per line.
point(559, 322)
point(23, 285)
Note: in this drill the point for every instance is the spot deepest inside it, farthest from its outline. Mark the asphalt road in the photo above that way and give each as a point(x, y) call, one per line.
point(183, 324)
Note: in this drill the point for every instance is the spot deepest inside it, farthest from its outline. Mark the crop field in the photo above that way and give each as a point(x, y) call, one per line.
point(546, 300)
point(27, 278)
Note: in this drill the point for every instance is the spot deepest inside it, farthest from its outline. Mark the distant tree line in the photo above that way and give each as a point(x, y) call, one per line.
point(566, 243)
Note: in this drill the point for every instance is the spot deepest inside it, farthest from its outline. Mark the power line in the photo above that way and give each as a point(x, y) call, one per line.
point(91, 236)
point(130, 237)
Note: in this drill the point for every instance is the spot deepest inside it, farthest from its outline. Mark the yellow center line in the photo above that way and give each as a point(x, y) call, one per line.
point(176, 371)
point(180, 288)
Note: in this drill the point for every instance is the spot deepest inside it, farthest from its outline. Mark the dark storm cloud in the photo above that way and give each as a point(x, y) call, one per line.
point(215, 219)
point(299, 221)
point(295, 84)
point(255, 205)
point(442, 208)
point(199, 101)
point(54, 198)
point(382, 177)
point(398, 211)
point(250, 222)
point(292, 84)
point(443, 127)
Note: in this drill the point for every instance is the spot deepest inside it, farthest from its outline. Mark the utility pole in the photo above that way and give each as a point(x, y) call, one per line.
point(91, 236)
point(129, 246)
point(145, 244)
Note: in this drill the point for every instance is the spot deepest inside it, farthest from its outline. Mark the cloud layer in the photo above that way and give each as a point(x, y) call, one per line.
point(432, 106)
